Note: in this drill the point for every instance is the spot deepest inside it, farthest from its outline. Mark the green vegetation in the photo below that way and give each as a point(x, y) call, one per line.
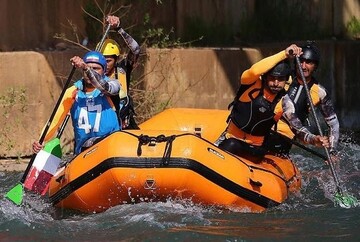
point(353, 27)
point(157, 37)
point(13, 102)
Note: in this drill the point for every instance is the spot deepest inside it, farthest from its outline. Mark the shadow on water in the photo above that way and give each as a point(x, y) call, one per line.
point(309, 215)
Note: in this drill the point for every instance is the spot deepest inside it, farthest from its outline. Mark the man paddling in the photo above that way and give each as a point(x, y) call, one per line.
point(260, 102)
point(309, 60)
point(92, 112)
point(120, 69)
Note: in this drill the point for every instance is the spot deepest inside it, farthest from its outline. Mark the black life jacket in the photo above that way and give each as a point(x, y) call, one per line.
point(297, 94)
point(257, 116)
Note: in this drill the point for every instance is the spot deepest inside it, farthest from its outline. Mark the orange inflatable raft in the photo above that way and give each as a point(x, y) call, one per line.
point(179, 162)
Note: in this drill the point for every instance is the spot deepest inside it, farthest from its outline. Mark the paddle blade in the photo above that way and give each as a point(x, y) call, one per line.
point(44, 167)
point(16, 194)
point(346, 200)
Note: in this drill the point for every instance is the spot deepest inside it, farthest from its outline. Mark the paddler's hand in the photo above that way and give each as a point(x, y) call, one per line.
point(293, 50)
point(36, 147)
point(78, 62)
point(321, 141)
point(334, 155)
point(114, 21)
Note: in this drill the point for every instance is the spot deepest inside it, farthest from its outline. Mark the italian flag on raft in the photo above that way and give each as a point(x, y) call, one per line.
point(44, 167)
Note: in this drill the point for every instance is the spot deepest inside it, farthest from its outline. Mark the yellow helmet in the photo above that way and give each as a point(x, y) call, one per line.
point(110, 47)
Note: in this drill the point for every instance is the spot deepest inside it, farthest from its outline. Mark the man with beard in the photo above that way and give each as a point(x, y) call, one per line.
point(309, 62)
point(260, 102)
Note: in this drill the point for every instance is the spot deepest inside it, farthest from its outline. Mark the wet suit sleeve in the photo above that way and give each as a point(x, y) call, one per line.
point(109, 86)
point(63, 110)
point(296, 126)
point(328, 111)
point(259, 68)
point(134, 47)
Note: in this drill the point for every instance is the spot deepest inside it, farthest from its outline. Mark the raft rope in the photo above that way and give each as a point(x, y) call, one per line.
point(152, 140)
point(271, 162)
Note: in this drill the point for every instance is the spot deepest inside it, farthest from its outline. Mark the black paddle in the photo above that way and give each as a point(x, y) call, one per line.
point(344, 200)
point(98, 48)
point(100, 45)
point(294, 142)
point(16, 193)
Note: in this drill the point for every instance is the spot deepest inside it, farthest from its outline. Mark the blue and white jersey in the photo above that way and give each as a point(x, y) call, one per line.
point(92, 116)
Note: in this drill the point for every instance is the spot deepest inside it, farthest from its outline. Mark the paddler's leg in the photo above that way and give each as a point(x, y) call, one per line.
point(243, 149)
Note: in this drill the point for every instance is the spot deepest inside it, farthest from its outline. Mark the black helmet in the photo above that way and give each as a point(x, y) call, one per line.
point(280, 69)
point(310, 52)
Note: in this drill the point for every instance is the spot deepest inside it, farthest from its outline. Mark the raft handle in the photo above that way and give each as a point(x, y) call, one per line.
point(60, 178)
point(255, 183)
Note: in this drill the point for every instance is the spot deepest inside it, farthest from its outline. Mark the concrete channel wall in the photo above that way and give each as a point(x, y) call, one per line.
point(31, 83)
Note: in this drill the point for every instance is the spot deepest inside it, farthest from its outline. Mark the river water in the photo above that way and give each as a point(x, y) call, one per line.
point(309, 215)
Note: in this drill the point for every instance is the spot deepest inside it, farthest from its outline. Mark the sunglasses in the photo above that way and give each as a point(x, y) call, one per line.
point(279, 78)
point(307, 61)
